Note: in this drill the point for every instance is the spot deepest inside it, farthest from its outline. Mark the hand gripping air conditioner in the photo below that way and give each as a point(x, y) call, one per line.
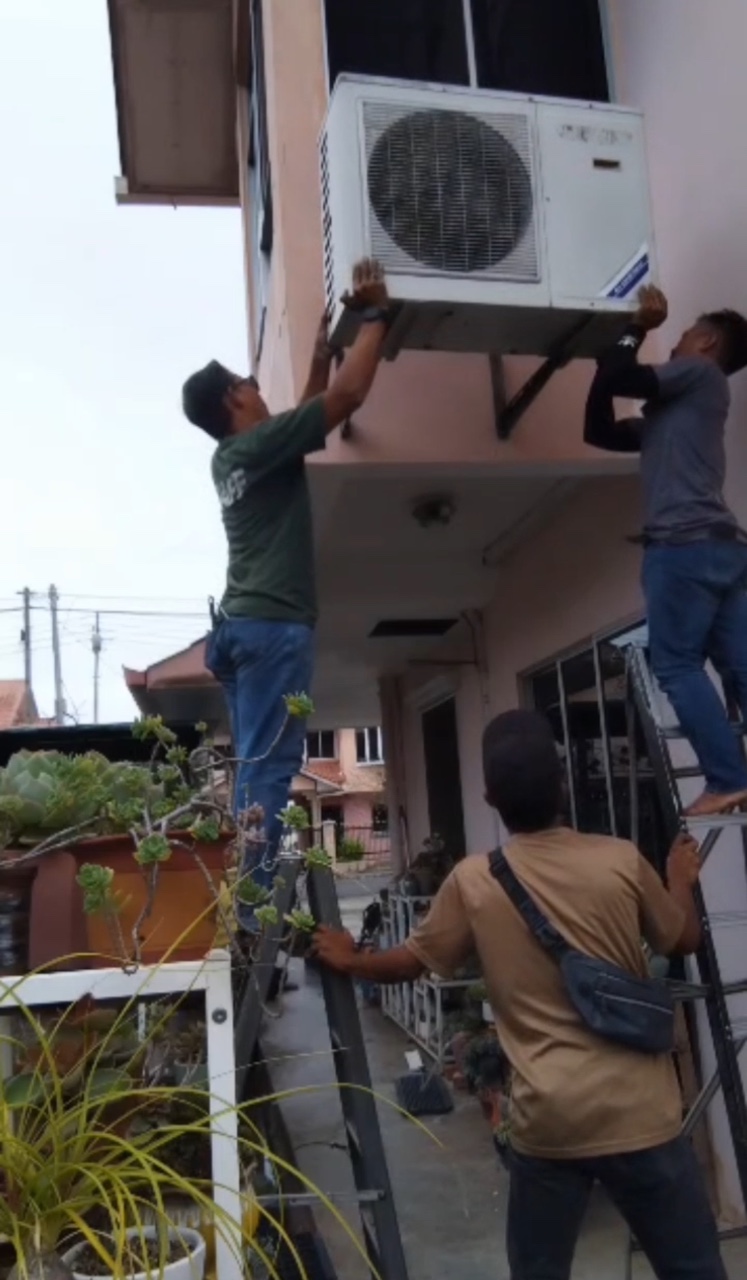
point(505, 223)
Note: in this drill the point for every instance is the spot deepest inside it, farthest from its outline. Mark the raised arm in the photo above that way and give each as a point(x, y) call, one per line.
point(321, 363)
point(669, 917)
point(620, 375)
point(354, 379)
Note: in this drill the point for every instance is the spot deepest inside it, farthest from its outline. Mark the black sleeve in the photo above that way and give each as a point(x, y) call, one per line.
point(618, 374)
point(621, 374)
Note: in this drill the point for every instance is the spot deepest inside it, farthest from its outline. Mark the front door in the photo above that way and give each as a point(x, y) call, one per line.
point(443, 777)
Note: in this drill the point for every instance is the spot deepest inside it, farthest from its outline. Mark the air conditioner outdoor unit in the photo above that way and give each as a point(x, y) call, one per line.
point(505, 223)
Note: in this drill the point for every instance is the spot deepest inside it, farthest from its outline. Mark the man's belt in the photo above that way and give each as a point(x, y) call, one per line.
point(706, 533)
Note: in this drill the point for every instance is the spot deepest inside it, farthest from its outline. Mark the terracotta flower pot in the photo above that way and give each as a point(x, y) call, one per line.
point(179, 906)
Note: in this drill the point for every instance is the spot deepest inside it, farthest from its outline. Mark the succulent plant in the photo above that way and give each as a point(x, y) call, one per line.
point(43, 792)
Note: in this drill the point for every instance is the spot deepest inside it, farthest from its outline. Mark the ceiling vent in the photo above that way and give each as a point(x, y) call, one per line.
point(412, 628)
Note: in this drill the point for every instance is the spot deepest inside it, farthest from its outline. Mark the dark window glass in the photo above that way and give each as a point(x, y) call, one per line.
point(552, 47)
point(380, 819)
point(320, 744)
point(399, 39)
point(259, 155)
point(443, 777)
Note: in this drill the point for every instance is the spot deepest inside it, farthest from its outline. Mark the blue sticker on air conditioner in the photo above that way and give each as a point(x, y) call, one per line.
point(630, 277)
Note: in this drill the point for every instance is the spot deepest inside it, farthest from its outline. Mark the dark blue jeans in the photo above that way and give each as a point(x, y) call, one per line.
point(696, 600)
point(659, 1192)
point(258, 663)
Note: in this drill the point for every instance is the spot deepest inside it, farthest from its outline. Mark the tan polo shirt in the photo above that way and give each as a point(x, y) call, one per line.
point(573, 1093)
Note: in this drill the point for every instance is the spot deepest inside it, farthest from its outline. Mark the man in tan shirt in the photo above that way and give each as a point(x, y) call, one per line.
point(582, 1108)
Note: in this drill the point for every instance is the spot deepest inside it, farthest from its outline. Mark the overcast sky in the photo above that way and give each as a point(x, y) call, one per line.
point(104, 311)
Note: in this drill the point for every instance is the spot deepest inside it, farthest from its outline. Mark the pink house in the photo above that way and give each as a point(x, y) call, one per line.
point(343, 780)
point(524, 594)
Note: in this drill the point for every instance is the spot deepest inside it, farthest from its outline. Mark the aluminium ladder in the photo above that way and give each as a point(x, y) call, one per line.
point(380, 1227)
point(728, 1033)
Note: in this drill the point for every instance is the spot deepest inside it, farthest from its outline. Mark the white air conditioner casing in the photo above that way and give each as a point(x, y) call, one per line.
point(505, 223)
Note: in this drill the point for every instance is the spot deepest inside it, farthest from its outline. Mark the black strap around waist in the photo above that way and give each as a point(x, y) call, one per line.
point(709, 533)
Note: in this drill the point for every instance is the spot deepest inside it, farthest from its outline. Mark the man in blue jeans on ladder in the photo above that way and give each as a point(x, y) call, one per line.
point(695, 557)
point(262, 646)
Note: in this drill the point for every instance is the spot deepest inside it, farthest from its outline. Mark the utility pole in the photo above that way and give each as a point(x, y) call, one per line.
point(60, 710)
point(26, 636)
point(97, 645)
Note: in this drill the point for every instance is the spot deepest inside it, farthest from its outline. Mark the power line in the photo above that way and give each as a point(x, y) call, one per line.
point(127, 613)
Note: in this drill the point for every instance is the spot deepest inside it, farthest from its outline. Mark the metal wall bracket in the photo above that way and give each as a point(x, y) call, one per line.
point(559, 356)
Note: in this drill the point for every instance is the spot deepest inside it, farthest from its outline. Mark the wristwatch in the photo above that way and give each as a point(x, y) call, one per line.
point(370, 315)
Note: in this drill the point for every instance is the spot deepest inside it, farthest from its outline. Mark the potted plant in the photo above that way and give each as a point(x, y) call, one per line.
point(178, 1254)
point(145, 847)
point(79, 1159)
point(102, 1166)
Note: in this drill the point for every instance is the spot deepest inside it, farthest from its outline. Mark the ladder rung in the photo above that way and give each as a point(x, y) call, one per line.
point(716, 821)
point(300, 1198)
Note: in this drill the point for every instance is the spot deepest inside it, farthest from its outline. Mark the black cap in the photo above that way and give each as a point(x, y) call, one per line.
point(203, 396)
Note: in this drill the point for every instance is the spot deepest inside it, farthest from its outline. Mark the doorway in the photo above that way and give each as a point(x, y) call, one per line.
point(443, 777)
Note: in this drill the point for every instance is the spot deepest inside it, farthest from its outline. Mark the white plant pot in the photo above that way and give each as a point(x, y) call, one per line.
point(191, 1267)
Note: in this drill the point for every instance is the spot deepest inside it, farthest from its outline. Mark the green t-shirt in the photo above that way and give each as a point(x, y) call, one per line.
point(260, 477)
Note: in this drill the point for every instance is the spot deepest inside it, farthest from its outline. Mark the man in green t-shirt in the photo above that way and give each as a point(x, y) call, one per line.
point(262, 646)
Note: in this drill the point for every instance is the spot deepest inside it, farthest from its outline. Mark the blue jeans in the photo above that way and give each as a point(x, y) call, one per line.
point(659, 1192)
point(258, 663)
point(696, 600)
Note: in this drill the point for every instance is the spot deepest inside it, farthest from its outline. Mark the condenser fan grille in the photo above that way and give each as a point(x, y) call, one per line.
point(451, 192)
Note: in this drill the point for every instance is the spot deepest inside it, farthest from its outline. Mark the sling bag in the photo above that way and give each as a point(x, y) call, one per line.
point(614, 1004)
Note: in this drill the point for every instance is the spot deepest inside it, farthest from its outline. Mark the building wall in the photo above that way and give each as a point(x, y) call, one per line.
point(579, 576)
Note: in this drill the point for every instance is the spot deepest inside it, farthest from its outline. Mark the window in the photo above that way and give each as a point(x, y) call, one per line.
point(400, 39)
point(320, 745)
point(380, 820)
point(368, 746)
point(552, 47)
point(540, 46)
point(584, 697)
point(260, 178)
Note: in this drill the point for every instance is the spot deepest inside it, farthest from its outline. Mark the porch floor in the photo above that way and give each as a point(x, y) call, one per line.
point(451, 1194)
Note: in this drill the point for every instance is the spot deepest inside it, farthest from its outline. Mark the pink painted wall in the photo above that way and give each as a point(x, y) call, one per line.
point(574, 577)
point(683, 63)
point(358, 811)
point(346, 749)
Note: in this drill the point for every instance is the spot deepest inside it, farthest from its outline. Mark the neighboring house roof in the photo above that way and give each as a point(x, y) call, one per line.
point(182, 690)
point(17, 705)
point(327, 772)
point(179, 688)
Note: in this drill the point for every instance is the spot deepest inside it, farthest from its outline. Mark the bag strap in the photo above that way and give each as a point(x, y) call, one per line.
point(535, 920)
